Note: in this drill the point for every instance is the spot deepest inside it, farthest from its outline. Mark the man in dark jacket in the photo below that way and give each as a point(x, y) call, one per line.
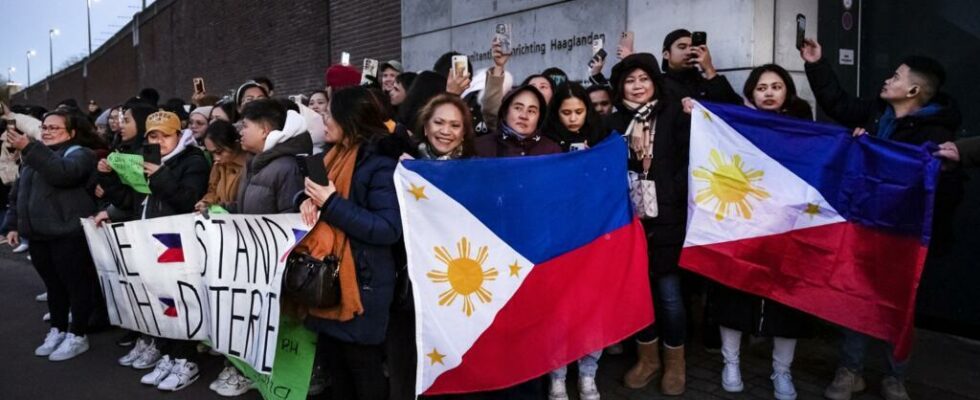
point(908, 109)
point(689, 72)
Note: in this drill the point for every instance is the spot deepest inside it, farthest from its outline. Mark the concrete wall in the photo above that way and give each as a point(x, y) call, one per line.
point(741, 33)
point(227, 42)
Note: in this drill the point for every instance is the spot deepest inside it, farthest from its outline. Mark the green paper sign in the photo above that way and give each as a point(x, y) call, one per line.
point(215, 209)
point(129, 167)
point(291, 370)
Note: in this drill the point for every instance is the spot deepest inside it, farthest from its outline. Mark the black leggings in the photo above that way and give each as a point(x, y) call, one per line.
point(66, 268)
point(356, 370)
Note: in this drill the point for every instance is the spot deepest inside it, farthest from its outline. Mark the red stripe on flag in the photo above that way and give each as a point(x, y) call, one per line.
point(566, 308)
point(857, 277)
point(171, 255)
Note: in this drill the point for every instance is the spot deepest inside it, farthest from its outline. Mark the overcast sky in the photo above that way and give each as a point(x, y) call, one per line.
point(26, 23)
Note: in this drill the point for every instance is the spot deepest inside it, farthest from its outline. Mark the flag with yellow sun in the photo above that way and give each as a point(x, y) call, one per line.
point(804, 214)
point(520, 265)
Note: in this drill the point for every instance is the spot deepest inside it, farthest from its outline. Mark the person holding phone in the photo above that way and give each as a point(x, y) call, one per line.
point(572, 121)
point(689, 70)
point(54, 192)
point(355, 216)
point(658, 132)
point(910, 108)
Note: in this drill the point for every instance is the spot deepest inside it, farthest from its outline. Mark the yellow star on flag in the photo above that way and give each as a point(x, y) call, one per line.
point(707, 115)
point(418, 192)
point(812, 209)
point(435, 357)
point(515, 269)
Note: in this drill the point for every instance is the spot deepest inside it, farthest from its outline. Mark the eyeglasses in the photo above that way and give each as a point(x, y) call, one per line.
point(46, 128)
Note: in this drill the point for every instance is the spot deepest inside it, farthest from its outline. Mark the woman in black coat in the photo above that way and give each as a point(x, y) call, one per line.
point(54, 192)
point(768, 88)
point(659, 135)
point(359, 223)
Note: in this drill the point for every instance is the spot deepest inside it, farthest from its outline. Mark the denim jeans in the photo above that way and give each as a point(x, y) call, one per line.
point(668, 303)
point(853, 348)
point(587, 366)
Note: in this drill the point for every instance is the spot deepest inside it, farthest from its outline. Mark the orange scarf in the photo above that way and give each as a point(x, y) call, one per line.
point(324, 239)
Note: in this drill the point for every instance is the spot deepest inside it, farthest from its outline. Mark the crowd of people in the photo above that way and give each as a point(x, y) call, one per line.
point(240, 153)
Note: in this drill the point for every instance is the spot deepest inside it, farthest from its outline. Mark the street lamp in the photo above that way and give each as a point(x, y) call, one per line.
point(88, 17)
point(10, 74)
point(51, 34)
point(30, 53)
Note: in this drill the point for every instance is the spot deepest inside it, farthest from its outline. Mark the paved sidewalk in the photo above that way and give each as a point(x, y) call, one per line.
point(943, 367)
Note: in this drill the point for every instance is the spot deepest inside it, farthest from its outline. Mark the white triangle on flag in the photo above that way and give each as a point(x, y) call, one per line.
point(736, 191)
point(435, 224)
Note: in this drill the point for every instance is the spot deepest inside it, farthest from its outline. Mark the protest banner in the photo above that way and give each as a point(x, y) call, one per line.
point(129, 168)
point(194, 278)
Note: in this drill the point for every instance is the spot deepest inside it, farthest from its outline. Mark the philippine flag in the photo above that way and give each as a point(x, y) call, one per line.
point(172, 250)
point(169, 307)
point(802, 213)
point(520, 265)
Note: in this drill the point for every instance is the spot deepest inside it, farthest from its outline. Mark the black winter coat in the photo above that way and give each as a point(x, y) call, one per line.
point(174, 189)
point(671, 144)
point(690, 83)
point(372, 222)
point(54, 191)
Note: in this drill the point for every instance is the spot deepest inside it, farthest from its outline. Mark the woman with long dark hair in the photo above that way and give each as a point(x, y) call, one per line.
point(571, 120)
point(355, 217)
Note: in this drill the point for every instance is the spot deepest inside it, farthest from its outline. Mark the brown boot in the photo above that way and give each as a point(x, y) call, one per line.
point(675, 372)
point(647, 365)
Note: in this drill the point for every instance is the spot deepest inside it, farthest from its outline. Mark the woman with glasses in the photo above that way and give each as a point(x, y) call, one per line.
point(54, 192)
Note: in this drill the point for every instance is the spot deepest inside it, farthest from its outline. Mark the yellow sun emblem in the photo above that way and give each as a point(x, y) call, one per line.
point(464, 274)
point(730, 186)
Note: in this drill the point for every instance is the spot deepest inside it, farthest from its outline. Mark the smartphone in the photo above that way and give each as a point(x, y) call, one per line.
point(800, 30)
point(369, 69)
point(502, 34)
point(601, 54)
point(151, 154)
point(699, 38)
point(198, 85)
point(344, 58)
point(626, 41)
point(312, 167)
point(460, 63)
point(597, 45)
point(577, 147)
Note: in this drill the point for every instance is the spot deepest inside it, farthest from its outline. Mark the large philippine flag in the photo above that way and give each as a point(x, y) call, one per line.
point(520, 265)
point(804, 214)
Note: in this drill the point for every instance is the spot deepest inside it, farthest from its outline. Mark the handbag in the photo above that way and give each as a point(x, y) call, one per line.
point(643, 193)
point(311, 282)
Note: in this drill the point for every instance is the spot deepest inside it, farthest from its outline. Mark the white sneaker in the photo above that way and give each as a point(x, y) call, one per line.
point(731, 378)
point(558, 390)
point(134, 353)
point(223, 376)
point(41, 297)
point(235, 385)
point(587, 389)
point(70, 347)
point(782, 386)
point(46, 317)
point(20, 249)
point(51, 342)
point(162, 370)
point(183, 373)
point(149, 358)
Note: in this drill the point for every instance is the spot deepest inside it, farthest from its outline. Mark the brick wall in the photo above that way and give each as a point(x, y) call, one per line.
point(227, 42)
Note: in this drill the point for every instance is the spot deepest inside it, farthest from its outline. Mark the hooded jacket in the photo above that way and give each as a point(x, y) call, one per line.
point(9, 160)
point(54, 191)
point(500, 144)
point(272, 178)
point(174, 189)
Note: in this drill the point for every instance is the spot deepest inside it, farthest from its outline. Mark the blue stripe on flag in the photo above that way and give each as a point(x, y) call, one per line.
point(541, 206)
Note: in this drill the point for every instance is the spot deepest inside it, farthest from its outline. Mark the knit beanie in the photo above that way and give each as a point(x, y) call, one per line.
point(340, 76)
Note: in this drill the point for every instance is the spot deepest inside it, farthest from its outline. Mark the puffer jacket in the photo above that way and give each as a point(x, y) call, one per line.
point(54, 191)
point(272, 178)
